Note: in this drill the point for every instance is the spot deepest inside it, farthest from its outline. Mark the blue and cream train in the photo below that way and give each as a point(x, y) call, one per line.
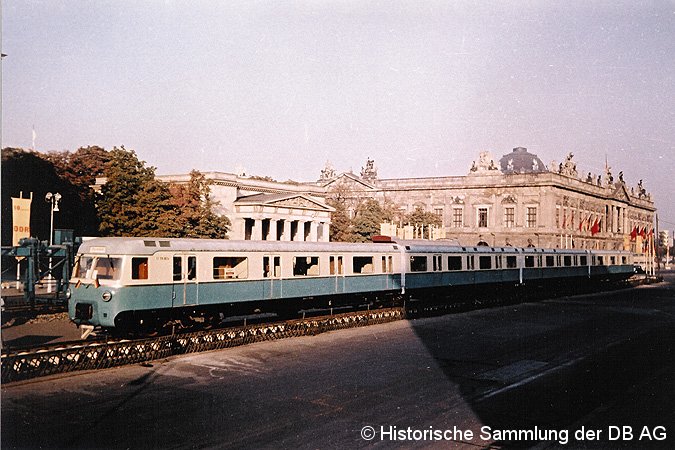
point(144, 284)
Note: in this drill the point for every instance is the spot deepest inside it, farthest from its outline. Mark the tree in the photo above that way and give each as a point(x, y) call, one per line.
point(369, 215)
point(341, 224)
point(81, 168)
point(27, 171)
point(422, 218)
point(132, 202)
point(194, 209)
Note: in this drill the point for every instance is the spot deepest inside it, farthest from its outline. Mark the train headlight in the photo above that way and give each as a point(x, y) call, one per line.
point(106, 296)
point(69, 293)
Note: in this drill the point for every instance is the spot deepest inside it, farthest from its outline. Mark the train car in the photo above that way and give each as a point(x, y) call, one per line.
point(146, 284)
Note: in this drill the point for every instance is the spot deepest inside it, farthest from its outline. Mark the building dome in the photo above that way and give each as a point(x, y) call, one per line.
point(521, 161)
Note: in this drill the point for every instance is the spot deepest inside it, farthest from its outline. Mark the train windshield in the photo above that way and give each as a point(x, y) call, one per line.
point(104, 268)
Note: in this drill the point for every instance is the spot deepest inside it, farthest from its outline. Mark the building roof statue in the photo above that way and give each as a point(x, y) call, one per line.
point(521, 161)
point(569, 167)
point(369, 173)
point(327, 173)
point(486, 165)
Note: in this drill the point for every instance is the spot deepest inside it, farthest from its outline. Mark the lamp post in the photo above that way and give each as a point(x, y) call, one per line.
point(53, 199)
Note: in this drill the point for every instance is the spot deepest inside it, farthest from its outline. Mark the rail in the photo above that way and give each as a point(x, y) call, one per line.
point(78, 356)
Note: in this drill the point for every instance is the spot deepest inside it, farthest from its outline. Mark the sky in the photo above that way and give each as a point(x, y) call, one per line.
point(277, 88)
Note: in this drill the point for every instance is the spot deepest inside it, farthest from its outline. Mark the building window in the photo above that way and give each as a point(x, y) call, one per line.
point(457, 217)
point(509, 217)
point(531, 218)
point(482, 217)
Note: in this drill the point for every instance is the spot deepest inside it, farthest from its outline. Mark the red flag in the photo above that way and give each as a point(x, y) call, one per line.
point(595, 228)
point(581, 224)
point(633, 234)
point(643, 233)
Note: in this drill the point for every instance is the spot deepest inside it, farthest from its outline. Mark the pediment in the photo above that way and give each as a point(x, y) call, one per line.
point(285, 201)
point(299, 201)
point(621, 194)
point(348, 181)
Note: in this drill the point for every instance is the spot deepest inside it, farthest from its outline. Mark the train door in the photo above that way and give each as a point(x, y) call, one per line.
point(387, 269)
point(337, 270)
point(185, 285)
point(272, 287)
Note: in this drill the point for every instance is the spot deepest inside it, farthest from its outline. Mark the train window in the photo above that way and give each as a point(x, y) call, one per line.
point(108, 268)
point(336, 265)
point(177, 268)
point(362, 264)
point(550, 261)
point(226, 267)
point(539, 261)
point(454, 263)
point(387, 264)
point(305, 266)
point(150, 243)
point(511, 262)
point(559, 260)
point(191, 267)
point(600, 261)
point(139, 268)
point(583, 260)
point(470, 262)
point(273, 270)
point(484, 262)
point(84, 267)
point(624, 260)
point(418, 263)
point(438, 263)
point(164, 243)
point(612, 260)
point(498, 261)
point(529, 261)
point(576, 260)
point(567, 260)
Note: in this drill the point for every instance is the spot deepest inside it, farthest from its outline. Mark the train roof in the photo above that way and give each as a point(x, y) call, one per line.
point(151, 245)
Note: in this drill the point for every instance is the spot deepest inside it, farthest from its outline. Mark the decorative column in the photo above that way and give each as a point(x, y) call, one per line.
point(313, 232)
point(272, 233)
point(256, 232)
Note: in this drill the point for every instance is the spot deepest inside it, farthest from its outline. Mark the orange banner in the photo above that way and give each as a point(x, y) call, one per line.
point(21, 219)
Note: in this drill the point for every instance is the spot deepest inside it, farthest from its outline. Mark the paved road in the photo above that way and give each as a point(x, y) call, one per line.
point(491, 377)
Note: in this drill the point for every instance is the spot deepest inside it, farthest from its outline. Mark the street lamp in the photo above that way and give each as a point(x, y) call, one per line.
point(54, 200)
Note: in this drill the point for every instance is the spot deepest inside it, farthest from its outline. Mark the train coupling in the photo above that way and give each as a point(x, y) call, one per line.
point(85, 331)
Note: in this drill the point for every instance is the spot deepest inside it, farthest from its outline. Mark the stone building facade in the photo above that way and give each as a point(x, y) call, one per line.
point(516, 201)
point(261, 209)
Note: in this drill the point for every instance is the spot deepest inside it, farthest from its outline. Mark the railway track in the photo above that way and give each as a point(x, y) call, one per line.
point(104, 352)
point(74, 356)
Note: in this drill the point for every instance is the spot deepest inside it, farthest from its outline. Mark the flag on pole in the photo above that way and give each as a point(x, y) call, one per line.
point(633, 233)
point(595, 228)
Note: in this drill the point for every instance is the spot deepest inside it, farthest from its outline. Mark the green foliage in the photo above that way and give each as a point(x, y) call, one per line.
point(130, 197)
point(341, 224)
point(369, 215)
point(31, 172)
point(194, 210)
point(421, 217)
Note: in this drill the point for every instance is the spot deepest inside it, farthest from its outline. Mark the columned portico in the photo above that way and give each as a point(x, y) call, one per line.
point(285, 217)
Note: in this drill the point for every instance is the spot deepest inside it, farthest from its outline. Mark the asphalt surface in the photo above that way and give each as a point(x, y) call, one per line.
point(592, 371)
